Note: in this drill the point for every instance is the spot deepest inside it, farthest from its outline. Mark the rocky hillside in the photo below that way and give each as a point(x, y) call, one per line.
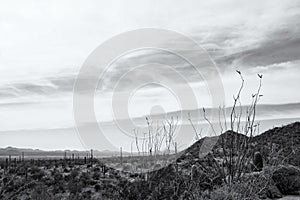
point(277, 143)
point(279, 146)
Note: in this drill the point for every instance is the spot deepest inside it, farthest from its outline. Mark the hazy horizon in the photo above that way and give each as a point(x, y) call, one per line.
point(266, 117)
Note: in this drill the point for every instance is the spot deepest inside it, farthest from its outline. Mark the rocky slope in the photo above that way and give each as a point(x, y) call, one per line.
point(279, 147)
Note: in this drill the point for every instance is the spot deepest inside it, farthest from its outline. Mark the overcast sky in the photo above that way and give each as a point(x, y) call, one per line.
point(44, 43)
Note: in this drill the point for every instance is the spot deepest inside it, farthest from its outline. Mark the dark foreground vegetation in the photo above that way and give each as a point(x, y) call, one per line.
point(190, 176)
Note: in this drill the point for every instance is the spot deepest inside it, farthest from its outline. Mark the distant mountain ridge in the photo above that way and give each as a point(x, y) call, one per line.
point(15, 152)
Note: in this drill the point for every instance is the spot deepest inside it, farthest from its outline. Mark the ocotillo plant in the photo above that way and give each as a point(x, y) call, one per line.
point(235, 151)
point(170, 128)
point(198, 135)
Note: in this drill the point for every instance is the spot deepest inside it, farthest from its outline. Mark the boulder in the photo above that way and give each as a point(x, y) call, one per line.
point(273, 192)
point(287, 179)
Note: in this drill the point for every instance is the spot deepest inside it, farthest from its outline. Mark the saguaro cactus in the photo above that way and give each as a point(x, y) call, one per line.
point(92, 156)
point(121, 156)
point(258, 161)
point(23, 156)
point(194, 172)
point(6, 163)
point(26, 173)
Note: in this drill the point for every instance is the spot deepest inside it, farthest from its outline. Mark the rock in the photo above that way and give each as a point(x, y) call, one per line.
point(273, 192)
point(290, 197)
point(287, 179)
point(258, 161)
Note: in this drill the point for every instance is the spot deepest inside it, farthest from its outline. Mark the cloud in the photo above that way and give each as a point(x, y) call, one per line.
point(41, 87)
point(281, 67)
point(235, 34)
point(278, 47)
point(242, 37)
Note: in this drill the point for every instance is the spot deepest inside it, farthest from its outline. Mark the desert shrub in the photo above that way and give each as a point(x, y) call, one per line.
point(135, 190)
point(9, 185)
point(58, 183)
point(237, 191)
point(87, 194)
point(96, 169)
point(75, 186)
point(97, 188)
point(40, 192)
point(76, 196)
point(74, 173)
point(223, 193)
point(57, 176)
point(126, 167)
point(34, 169)
point(47, 181)
point(21, 171)
point(97, 175)
point(59, 187)
point(66, 170)
point(39, 175)
point(67, 178)
point(85, 178)
point(157, 166)
point(253, 185)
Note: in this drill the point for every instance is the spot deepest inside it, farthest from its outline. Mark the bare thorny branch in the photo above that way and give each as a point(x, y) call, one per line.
point(198, 134)
point(234, 147)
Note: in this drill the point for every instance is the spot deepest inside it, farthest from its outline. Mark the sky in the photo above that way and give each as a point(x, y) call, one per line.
point(43, 45)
